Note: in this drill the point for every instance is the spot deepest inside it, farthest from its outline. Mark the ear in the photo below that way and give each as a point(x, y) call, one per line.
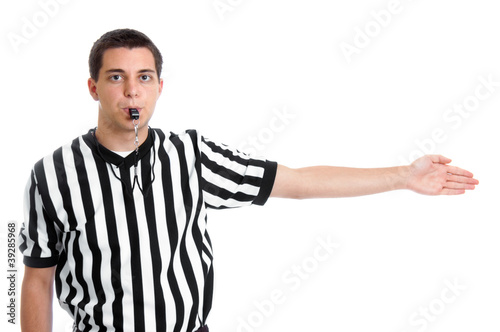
point(160, 89)
point(93, 89)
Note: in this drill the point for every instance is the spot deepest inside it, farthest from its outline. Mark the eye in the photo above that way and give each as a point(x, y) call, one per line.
point(146, 78)
point(115, 78)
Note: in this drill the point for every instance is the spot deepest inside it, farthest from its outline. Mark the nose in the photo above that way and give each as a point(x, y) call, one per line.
point(131, 89)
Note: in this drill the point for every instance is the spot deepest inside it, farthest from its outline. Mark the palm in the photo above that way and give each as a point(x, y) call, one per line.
point(431, 175)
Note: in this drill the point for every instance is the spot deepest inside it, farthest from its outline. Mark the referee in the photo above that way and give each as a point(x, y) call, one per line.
point(117, 219)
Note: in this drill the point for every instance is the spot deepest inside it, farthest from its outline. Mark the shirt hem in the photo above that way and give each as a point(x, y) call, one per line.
point(39, 262)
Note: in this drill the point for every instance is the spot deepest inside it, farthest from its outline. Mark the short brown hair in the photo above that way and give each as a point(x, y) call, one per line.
point(128, 38)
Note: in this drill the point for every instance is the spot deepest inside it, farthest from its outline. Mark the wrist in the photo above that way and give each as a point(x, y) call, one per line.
point(402, 176)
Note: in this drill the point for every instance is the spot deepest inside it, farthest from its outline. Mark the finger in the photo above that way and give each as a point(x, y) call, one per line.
point(458, 171)
point(461, 179)
point(447, 191)
point(436, 158)
point(459, 186)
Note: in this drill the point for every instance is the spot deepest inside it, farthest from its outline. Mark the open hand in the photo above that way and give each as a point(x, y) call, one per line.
point(431, 175)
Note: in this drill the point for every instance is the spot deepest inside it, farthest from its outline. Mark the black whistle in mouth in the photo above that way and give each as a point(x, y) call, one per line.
point(134, 113)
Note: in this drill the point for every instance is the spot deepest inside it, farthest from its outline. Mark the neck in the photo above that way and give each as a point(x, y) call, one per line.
point(122, 140)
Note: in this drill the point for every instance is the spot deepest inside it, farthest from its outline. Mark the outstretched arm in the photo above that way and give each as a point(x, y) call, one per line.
point(429, 175)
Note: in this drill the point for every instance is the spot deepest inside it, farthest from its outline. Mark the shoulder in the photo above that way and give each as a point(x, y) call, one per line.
point(190, 132)
point(56, 159)
point(188, 136)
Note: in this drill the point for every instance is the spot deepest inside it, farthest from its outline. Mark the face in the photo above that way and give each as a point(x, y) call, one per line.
point(127, 79)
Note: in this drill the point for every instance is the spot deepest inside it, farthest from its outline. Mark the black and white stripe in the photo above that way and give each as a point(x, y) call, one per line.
point(135, 257)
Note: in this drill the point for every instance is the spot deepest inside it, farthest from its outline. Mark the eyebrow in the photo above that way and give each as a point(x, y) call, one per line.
point(123, 71)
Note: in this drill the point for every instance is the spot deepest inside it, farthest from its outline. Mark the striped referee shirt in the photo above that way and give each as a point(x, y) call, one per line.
point(133, 252)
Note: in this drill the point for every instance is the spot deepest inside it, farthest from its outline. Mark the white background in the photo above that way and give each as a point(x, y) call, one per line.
point(227, 74)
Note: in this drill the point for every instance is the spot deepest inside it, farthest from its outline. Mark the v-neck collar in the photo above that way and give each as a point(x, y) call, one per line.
point(113, 158)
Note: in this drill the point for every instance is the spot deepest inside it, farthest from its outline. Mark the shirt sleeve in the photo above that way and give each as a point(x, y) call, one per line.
point(39, 238)
point(231, 178)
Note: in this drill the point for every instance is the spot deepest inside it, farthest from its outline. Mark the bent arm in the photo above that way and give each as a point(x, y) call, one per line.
point(36, 299)
point(428, 175)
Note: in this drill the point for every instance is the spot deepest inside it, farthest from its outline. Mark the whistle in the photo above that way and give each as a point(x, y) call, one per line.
point(134, 113)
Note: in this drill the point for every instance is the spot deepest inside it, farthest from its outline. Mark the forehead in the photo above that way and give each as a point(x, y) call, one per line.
point(128, 59)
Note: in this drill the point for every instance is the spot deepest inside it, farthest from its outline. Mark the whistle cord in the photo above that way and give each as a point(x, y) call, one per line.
point(136, 161)
point(136, 157)
point(136, 123)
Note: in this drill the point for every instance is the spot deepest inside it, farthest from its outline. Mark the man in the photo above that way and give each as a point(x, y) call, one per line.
point(117, 218)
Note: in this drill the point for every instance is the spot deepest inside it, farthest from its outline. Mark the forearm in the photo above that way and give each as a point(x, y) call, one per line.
point(36, 305)
point(331, 181)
